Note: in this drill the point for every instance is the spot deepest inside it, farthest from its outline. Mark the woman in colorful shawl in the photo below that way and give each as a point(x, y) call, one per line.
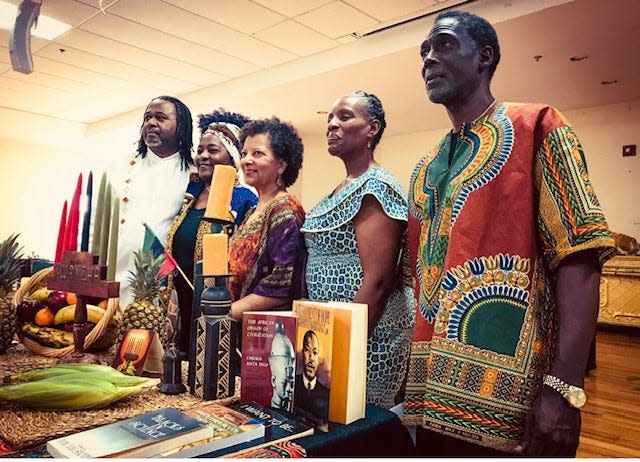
point(218, 146)
point(267, 255)
point(356, 238)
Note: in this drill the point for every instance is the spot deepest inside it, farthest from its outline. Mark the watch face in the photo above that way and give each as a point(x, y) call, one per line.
point(576, 397)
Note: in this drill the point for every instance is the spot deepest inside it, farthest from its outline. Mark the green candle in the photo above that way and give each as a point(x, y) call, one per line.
point(97, 222)
point(113, 240)
point(106, 221)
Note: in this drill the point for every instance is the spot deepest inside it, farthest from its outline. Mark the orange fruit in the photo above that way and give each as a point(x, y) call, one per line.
point(103, 304)
point(44, 317)
point(71, 298)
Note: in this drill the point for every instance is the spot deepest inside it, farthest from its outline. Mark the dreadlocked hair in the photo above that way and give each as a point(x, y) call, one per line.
point(375, 112)
point(184, 132)
point(221, 115)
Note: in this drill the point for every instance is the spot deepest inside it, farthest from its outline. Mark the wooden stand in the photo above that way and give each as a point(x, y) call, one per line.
point(80, 273)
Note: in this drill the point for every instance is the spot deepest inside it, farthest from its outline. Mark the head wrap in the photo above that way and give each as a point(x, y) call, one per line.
point(228, 134)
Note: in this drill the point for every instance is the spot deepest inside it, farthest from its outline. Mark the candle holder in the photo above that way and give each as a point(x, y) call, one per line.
point(213, 360)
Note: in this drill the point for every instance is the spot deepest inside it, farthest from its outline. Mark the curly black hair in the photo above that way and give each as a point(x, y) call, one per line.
point(184, 131)
point(221, 115)
point(284, 141)
point(375, 112)
point(480, 30)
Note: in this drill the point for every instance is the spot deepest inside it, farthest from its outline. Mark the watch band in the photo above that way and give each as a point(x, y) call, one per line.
point(575, 396)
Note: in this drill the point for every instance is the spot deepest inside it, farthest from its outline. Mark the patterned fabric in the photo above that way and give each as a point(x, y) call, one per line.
point(486, 234)
point(334, 272)
point(267, 254)
point(184, 240)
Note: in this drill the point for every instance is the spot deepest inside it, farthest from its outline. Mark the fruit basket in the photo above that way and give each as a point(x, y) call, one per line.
point(103, 334)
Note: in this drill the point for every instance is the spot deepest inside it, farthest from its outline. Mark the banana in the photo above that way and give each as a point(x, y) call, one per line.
point(47, 336)
point(41, 294)
point(66, 314)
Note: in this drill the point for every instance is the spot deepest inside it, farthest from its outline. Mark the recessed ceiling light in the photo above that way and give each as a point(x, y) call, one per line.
point(578, 58)
point(608, 82)
point(46, 28)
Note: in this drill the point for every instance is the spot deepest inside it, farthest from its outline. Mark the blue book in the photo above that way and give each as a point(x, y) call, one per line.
point(146, 435)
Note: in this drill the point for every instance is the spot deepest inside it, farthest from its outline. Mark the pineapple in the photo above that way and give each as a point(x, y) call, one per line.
point(10, 268)
point(146, 311)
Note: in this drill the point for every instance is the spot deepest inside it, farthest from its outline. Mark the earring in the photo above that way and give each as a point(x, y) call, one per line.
point(279, 182)
point(369, 144)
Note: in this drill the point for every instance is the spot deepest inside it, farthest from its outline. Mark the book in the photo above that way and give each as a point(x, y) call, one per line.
point(268, 361)
point(146, 435)
point(139, 351)
point(313, 356)
point(348, 399)
point(279, 426)
point(230, 427)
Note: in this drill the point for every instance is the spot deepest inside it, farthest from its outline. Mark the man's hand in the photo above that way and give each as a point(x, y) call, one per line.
point(552, 427)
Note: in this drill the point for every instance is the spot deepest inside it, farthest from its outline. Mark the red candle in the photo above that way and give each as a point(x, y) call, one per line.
point(61, 233)
point(71, 236)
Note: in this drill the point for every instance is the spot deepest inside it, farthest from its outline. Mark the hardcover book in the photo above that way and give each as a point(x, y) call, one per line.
point(146, 435)
point(279, 426)
point(268, 361)
point(314, 356)
point(230, 427)
point(348, 399)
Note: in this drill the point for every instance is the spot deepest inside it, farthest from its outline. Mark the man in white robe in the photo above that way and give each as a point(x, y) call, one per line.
point(152, 183)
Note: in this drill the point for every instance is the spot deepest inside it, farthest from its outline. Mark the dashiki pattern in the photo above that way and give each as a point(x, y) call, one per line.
point(266, 253)
point(485, 236)
point(334, 273)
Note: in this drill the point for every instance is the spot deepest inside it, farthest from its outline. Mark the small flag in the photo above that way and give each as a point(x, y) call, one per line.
point(153, 244)
point(167, 266)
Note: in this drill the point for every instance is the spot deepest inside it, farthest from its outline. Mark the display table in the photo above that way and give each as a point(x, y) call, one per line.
point(379, 434)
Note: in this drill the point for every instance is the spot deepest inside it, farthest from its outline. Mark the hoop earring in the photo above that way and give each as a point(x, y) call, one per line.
point(279, 182)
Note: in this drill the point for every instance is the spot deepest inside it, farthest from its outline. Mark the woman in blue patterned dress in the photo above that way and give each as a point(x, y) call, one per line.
point(356, 239)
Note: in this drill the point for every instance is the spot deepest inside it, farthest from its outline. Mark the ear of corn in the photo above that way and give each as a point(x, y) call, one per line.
point(71, 388)
point(118, 379)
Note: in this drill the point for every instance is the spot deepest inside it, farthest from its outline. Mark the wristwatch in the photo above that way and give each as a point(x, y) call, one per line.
point(574, 395)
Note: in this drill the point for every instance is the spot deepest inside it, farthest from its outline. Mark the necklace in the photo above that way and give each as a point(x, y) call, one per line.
point(482, 115)
point(487, 110)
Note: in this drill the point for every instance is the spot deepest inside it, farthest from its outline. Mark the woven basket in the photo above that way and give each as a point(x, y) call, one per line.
point(38, 280)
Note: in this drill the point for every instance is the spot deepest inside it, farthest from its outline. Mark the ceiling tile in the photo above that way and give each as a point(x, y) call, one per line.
point(242, 15)
point(132, 33)
point(384, 10)
point(173, 20)
point(76, 74)
point(291, 9)
point(52, 82)
point(29, 97)
point(336, 19)
point(117, 51)
point(87, 61)
point(189, 26)
point(296, 38)
point(69, 11)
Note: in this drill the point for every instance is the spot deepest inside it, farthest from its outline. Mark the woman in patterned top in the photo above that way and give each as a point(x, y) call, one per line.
point(356, 238)
point(267, 254)
point(218, 145)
